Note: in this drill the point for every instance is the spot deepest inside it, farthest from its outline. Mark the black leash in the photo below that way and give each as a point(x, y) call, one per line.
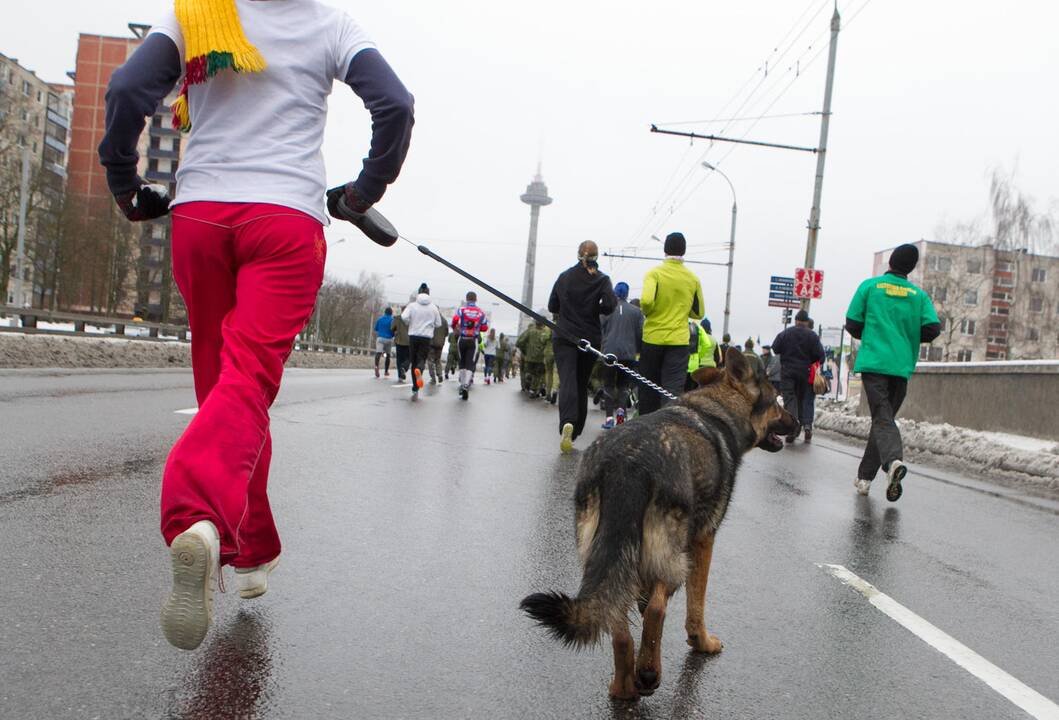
point(608, 359)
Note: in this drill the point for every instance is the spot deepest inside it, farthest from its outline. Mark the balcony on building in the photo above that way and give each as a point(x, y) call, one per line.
point(153, 152)
point(56, 145)
point(159, 176)
point(58, 119)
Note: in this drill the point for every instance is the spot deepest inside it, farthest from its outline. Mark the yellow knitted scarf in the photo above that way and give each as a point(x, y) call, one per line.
point(213, 41)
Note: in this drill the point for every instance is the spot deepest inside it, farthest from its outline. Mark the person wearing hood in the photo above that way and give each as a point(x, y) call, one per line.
point(891, 317)
point(422, 317)
point(622, 338)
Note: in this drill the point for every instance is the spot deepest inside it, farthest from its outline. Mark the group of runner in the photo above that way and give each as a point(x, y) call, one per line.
point(418, 335)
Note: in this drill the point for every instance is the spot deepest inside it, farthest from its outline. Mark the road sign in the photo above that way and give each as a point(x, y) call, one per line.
point(788, 295)
point(785, 304)
point(809, 283)
point(779, 280)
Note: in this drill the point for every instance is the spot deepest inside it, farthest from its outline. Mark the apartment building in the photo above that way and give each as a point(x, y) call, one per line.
point(993, 304)
point(34, 118)
point(151, 291)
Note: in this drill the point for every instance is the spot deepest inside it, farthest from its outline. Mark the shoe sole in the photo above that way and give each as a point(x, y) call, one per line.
point(894, 490)
point(418, 382)
point(186, 613)
point(260, 589)
point(567, 443)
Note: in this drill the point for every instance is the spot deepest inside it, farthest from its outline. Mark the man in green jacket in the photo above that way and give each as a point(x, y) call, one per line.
point(891, 317)
point(671, 295)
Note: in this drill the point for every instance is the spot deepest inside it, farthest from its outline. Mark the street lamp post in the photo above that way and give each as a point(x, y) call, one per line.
point(731, 248)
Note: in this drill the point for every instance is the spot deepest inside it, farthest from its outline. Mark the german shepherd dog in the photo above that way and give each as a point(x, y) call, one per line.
point(650, 497)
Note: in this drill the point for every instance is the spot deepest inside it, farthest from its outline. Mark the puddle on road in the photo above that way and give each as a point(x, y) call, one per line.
point(71, 477)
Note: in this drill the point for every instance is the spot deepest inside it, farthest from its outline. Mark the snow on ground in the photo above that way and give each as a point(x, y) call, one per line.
point(57, 351)
point(984, 450)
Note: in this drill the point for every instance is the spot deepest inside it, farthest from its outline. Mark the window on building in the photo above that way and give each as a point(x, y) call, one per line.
point(1004, 266)
point(152, 165)
point(40, 96)
point(935, 354)
point(1039, 275)
point(940, 294)
point(940, 263)
point(26, 89)
point(964, 356)
point(974, 266)
point(967, 327)
point(1033, 334)
point(970, 297)
point(156, 142)
point(1036, 304)
point(1005, 282)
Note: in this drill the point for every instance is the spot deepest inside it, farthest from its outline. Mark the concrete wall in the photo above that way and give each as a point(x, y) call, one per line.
point(1020, 397)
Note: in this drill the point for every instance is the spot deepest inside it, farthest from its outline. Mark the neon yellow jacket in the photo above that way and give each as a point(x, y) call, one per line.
point(704, 351)
point(671, 295)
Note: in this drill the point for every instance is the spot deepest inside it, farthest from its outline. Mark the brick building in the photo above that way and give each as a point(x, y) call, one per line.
point(35, 117)
point(148, 287)
point(993, 304)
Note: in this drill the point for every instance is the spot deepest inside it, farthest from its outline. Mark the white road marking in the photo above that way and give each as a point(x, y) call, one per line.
point(1023, 696)
point(189, 411)
point(405, 385)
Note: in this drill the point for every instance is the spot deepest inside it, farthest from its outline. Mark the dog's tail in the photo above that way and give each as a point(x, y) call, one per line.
point(611, 578)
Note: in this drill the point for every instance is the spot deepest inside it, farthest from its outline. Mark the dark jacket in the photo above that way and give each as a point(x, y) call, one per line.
point(623, 331)
point(579, 299)
point(798, 348)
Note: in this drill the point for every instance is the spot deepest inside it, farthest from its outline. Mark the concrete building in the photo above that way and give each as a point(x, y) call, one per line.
point(34, 117)
point(536, 196)
point(150, 290)
point(993, 304)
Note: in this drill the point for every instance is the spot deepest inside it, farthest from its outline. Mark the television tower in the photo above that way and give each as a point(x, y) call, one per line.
point(536, 196)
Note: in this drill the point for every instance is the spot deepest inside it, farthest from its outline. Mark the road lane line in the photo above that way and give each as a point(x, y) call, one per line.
point(1010, 687)
point(189, 411)
point(405, 385)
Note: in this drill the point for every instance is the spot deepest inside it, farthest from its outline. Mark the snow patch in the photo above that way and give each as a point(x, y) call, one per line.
point(1000, 451)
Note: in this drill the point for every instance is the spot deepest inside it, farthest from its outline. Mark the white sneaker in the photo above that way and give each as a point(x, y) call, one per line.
point(253, 582)
point(195, 556)
point(566, 444)
point(863, 486)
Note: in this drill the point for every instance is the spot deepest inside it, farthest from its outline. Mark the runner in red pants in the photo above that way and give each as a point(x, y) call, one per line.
point(248, 246)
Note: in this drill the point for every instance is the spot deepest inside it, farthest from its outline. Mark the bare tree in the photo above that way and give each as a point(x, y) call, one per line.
point(345, 311)
point(1017, 225)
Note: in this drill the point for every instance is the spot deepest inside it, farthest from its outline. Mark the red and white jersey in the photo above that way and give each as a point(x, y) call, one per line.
point(470, 321)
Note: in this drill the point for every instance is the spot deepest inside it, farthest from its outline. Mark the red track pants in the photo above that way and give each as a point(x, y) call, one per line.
point(249, 274)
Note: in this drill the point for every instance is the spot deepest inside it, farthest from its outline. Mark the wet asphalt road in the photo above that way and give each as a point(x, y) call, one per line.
point(412, 531)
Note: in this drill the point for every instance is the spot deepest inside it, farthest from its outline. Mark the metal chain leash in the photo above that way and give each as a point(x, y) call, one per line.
point(583, 345)
point(611, 360)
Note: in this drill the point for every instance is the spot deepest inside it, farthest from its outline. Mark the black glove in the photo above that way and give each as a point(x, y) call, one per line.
point(346, 203)
point(146, 202)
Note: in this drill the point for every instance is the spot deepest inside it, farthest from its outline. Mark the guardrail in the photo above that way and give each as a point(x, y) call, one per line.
point(28, 322)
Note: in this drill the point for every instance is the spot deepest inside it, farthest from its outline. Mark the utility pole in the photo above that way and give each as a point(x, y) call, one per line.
point(23, 207)
point(821, 152)
point(731, 248)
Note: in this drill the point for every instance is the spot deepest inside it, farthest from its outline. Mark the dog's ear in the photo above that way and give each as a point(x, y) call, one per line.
point(736, 365)
point(706, 375)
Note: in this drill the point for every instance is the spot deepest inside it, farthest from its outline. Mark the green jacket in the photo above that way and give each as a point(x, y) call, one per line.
point(534, 343)
point(671, 295)
point(893, 311)
point(400, 330)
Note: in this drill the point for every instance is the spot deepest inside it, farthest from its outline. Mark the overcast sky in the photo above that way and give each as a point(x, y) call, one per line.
point(928, 97)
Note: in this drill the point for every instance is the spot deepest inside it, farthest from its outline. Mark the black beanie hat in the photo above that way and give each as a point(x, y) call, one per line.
point(676, 245)
point(904, 258)
point(802, 316)
point(424, 289)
